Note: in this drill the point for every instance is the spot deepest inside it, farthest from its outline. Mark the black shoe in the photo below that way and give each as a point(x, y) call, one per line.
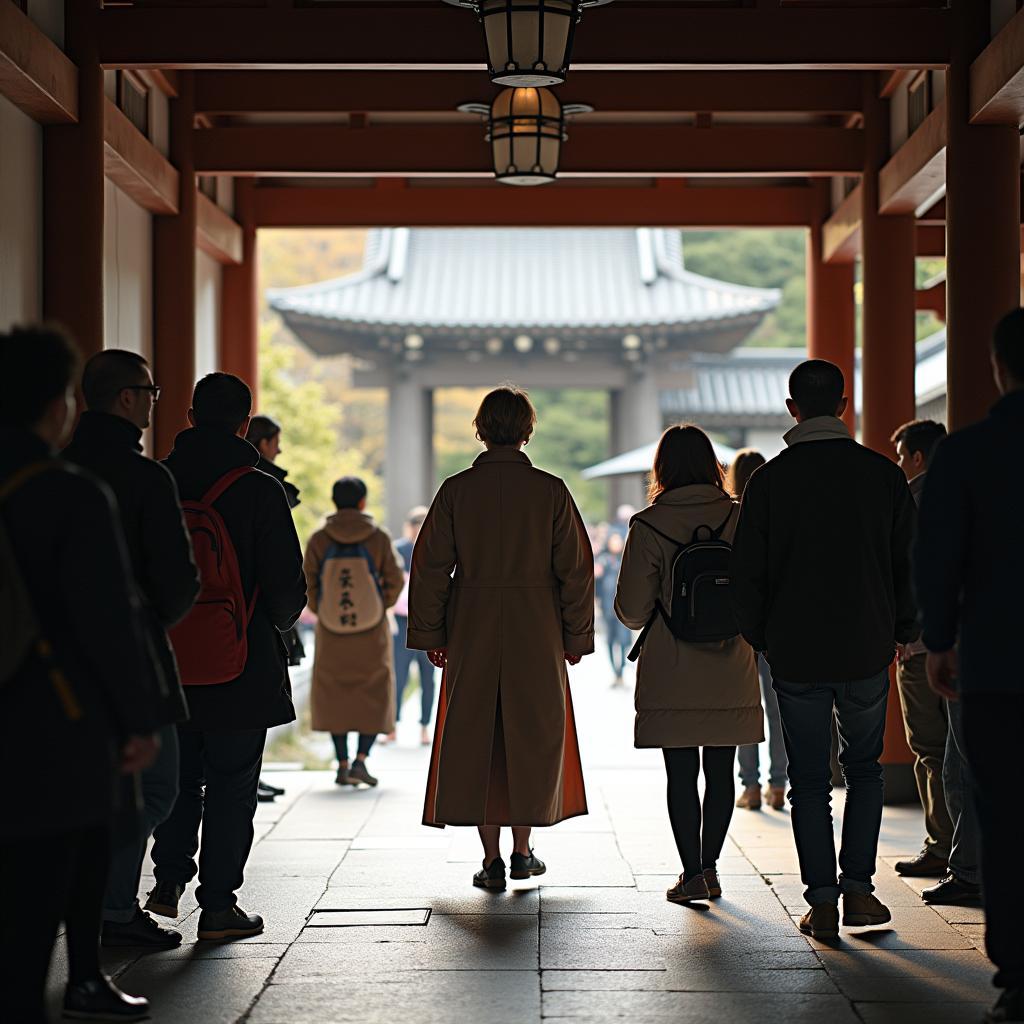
point(925, 865)
point(357, 772)
point(101, 999)
point(141, 930)
point(233, 923)
point(525, 867)
point(952, 890)
point(163, 899)
point(1009, 1007)
point(492, 876)
point(274, 790)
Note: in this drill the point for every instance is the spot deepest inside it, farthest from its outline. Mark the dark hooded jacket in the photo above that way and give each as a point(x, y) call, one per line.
point(291, 492)
point(158, 543)
point(63, 528)
point(256, 514)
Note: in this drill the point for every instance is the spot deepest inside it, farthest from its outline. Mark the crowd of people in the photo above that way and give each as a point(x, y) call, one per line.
point(149, 608)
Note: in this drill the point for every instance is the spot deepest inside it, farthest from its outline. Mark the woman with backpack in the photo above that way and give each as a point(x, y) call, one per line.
point(697, 693)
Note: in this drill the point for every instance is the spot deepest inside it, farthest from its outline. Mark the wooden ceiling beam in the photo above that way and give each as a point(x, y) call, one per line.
point(997, 77)
point(135, 165)
point(841, 232)
point(446, 150)
point(392, 203)
point(240, 92)
point(217, 233)
point(431, 36)
point(917, 170)
point(35, 75)
point(931, 241)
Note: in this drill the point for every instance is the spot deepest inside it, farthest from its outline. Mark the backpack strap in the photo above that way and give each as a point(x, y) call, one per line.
point(221, 485)
point(659, 609)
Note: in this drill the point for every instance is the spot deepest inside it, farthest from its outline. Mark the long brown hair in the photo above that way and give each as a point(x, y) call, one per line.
point(685, 456)
point(744, 462)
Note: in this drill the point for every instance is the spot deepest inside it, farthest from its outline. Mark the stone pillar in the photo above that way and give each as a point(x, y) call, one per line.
point(982, 229)
point(831, 324)
point(636, 421)
point(73, 196)
point(239, 317)
point(174, 282)
point(888, 361)
point(409, 471)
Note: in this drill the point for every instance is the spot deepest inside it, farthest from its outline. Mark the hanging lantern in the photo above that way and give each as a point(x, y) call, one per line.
point(526, 129)
point(528, 41)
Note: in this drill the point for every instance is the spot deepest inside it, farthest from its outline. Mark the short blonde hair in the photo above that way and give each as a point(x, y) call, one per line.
point(506, 417)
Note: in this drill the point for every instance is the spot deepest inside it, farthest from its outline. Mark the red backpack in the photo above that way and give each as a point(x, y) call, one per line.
point(210, 642)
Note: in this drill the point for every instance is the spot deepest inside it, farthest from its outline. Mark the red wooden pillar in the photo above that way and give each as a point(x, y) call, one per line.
point(73, 183)
point(239, 316)
point(174, 282)
point(888, 362)
point(983, 268)
point(831, 325)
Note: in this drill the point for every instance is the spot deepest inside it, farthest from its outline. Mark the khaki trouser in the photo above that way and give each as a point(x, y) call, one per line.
point(924, 716)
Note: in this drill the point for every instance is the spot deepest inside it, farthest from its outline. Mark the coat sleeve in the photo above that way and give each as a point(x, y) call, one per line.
point(430, 580)
point(100, 592)
point(572, 560)
point(311, 564)
point(172, 582)
point(940, 550)
point(749, 565)
point(639, 582)
point(279, 572)
point(903, 527)
point(392, 575)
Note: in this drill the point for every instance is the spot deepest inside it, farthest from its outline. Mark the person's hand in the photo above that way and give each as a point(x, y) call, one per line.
point(942, 671)
point(573, 659)
point(438, 657)
point(139, 753)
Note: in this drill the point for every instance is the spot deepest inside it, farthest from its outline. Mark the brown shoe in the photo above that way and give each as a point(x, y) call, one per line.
point(864, 908)
point(714, 883)
point(750, 799)
point(925, 865)
point(694, 889)
point(821, 921)
point(775, 797)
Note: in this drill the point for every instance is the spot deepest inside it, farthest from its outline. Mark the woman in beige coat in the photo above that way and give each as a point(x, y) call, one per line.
point(501, 596)
point(353, 678)
point(697, 701)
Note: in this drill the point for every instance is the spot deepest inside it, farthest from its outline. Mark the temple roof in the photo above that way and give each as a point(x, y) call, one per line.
point(504, 280)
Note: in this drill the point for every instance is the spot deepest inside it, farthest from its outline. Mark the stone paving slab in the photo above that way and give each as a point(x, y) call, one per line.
point(923, 1013)
point(816, 981)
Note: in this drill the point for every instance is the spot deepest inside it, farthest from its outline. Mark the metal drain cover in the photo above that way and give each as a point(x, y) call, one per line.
point(327, 918)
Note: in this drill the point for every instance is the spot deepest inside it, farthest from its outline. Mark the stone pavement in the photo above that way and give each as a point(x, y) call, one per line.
point(595, 941)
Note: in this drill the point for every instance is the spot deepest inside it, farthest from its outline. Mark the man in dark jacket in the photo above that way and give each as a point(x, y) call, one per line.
point(968, 568)
point(120, 393)
point(83, 690)
point(821, 578)
point(222, 743)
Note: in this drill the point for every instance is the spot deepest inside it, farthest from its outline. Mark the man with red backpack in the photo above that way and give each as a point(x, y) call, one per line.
point(230, 653)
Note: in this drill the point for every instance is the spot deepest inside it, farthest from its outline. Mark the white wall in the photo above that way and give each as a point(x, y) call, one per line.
point(21, 217)
point(208, 282)
point(49, 16)
point(127, 274)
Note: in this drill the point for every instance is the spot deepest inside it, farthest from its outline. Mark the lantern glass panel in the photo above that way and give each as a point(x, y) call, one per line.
point(528, 40)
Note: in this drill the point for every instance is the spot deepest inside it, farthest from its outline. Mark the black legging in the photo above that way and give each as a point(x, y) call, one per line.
point(700, 831)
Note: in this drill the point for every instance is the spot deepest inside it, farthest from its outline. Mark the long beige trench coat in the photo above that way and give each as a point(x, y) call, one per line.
point(687, 695)
point(522, 595)
point(353, 674)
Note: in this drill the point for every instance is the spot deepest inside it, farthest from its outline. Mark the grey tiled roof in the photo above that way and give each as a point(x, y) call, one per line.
point(529, 278)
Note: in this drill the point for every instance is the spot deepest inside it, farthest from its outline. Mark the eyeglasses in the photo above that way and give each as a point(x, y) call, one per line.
point(153, 389)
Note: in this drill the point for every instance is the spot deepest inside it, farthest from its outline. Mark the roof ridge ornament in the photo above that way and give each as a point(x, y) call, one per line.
point(529, 42)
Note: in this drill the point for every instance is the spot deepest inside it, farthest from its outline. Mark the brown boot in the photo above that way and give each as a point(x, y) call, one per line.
point(821, 921)
point(750, 799)
point(863, 908)
point(714, 883)
point(775, 796)
point(694, 889)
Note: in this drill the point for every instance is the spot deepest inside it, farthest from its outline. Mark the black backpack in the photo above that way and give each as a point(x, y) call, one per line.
point(701, 606)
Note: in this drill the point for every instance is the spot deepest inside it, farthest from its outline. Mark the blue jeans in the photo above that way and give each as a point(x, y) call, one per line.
point(807, 710)
point(403, 660)
point(958, 786)
point(159, 791)
point(749, 757)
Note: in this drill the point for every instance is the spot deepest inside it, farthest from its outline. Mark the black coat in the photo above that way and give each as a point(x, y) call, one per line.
point(158, 543)
point(969, 558)
point(62, 769)
point(821, 562)
point(273, 469)
point(257, 517)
